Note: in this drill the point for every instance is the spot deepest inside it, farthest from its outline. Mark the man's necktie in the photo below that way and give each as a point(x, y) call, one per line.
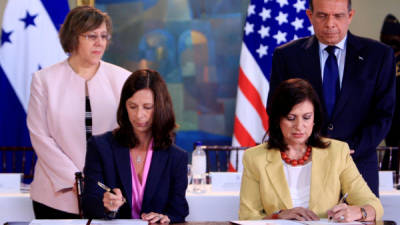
point(330, 84)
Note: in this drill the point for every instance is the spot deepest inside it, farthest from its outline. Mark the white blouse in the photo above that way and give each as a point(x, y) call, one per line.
point(299, 181)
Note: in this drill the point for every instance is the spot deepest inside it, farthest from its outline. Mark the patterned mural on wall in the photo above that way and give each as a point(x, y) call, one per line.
point(195, 45)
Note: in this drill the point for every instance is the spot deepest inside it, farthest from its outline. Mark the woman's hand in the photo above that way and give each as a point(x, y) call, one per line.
point(345, 213)
point(153, 217)
point(298, 213)
point(112, 202)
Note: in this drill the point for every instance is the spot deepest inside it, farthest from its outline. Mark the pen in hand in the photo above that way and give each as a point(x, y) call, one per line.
point(104, 187)
point(107, 189)
point(342, 200)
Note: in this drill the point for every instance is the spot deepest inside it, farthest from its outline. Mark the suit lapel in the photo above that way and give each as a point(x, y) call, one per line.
point(319, 173)
point(158, 163)
point(313, 72)
point(352, 64)
point(276, 175)
point(123, 164)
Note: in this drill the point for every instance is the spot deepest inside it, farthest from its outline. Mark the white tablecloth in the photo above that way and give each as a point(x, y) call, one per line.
point(209, 206)
point(15, 207)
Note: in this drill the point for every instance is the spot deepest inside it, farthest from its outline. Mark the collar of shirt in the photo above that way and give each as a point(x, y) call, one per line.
point(341, 45)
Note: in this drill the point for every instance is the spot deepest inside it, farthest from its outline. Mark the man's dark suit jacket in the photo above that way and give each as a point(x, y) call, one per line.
point(363, 112)
point(109, 162)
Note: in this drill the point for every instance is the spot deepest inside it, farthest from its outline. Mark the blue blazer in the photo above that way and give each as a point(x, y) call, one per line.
point(363, 112)
point(109, 162)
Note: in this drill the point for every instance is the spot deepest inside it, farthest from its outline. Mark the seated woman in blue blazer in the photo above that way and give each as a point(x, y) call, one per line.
point(138, 161)
point(299, 175)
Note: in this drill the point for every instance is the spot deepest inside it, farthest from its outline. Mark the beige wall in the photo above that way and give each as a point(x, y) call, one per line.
point(370, 14)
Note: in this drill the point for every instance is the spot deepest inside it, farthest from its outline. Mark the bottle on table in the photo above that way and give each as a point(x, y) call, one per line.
point(198, 169)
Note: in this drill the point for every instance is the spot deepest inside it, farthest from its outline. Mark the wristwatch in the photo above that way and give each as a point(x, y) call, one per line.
point(363, 214)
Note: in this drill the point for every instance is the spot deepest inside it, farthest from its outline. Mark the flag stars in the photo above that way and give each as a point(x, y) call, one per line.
point(29, 19)
point(264, 31)
point(300, 5)
point(280, 37)
point(248, 28)
point(297, 23)
point(282, 2)
point(5, 36)
point(265, 14)
point(282, 18)
point(262, 50)
point(251, 10)
point(311, 29)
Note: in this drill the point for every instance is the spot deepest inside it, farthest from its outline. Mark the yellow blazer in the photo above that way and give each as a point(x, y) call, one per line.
point(264, 189)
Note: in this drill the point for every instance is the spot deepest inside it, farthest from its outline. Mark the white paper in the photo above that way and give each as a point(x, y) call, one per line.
point(225, 181)
point(266, 222)
point(322, 221)
point(10, 182)
point(94, 222)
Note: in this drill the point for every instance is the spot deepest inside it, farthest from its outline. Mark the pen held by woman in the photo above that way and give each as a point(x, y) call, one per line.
point(342, 200)
point(347, 213)
point(112, 198)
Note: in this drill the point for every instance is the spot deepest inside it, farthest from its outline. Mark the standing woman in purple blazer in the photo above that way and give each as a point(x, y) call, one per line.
point(69, 102)
point(138, 161)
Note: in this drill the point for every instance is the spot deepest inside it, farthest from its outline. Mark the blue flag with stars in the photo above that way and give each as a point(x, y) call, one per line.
point(29, 42)
point(271, 23)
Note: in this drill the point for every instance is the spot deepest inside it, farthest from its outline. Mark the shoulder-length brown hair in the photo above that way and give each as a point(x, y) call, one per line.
point(81, 20)
point(288, 94)
point(163, 118)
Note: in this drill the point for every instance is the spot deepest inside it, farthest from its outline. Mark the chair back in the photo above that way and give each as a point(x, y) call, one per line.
point(388, 158)
point(218, 157)
point(18, 159)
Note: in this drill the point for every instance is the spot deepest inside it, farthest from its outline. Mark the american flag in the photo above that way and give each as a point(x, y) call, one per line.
point(269, 23)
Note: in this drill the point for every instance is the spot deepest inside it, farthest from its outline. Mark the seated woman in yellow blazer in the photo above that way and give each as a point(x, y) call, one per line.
point(299, 175)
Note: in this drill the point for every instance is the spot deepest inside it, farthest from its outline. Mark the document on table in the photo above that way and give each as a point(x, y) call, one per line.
point(94, 222)
point(323, 221)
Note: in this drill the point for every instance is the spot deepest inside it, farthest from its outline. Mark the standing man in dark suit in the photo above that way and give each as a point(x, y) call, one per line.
point(353, 76)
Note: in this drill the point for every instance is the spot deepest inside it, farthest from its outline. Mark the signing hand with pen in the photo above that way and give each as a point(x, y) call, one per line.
point(113, 200)
point(344, 213)
point(349, 213)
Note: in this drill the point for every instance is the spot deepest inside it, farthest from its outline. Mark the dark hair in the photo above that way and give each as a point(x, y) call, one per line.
point(311, 6)
point(78, 21)
point(163, 118)
point(288, 94)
